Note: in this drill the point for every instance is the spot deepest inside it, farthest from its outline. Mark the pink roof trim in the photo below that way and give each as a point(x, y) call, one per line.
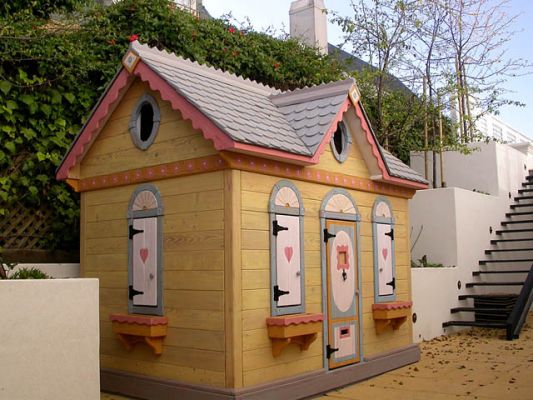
point(94, 123)
point(331, 130)
point(147, 320)
point(295, 319)
point(394, 305)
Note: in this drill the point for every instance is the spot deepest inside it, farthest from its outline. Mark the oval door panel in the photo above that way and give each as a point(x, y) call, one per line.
point(342, 271)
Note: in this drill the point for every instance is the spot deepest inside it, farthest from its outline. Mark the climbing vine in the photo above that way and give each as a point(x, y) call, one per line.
point(56, 57)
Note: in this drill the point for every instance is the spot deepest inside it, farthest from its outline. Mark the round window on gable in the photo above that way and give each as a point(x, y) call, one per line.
point(340, 142)
point(144, 122)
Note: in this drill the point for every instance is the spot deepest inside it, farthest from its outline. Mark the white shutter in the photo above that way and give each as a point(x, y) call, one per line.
point(144, 256)
point(384, 248)
point(288, 263)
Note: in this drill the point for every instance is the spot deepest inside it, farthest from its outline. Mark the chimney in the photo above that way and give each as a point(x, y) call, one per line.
point(308, 23)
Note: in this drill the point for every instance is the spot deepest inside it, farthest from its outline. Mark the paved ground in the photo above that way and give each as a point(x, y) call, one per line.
point(474, 364)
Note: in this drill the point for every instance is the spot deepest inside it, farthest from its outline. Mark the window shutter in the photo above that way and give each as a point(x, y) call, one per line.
point(385, 258)
point(288, 262)
point(144, 258)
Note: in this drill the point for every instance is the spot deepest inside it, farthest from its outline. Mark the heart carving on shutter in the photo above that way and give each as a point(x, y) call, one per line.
point(385, 252)
point(288, 253)
point(144, 254)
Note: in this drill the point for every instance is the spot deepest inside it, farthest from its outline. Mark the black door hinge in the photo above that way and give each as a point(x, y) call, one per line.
point(327, 235)
point(278, 293)
point(132, 292)
point(134, 231)
point(329, 351)
point(276, 228)
point(392, 283)
point(391, 234)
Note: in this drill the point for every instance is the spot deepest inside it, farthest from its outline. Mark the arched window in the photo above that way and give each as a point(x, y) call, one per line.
point(384, 257)
point(145, 217)
point(144, 122)
point(286, 249)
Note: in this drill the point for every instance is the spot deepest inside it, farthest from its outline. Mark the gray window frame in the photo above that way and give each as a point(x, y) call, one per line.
point(133, 124)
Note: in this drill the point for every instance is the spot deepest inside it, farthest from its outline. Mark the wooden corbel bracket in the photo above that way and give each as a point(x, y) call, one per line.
point(301, 329)
point(132, 329)
point(393, 314)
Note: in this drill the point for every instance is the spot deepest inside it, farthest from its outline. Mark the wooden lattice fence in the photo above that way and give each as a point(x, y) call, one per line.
point(24, 228)
point(25, 234)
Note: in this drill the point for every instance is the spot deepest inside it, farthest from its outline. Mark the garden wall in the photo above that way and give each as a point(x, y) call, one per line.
point(454, 227)
point(49, 339)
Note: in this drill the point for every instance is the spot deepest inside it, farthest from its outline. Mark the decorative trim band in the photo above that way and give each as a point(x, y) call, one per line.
point(149, 174)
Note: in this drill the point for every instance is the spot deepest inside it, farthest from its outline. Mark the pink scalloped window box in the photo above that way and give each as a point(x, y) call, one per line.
point(295, 319)
point(148, 320)
point(394, 305)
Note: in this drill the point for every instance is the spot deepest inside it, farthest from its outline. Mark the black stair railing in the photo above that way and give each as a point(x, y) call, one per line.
point(521, 308)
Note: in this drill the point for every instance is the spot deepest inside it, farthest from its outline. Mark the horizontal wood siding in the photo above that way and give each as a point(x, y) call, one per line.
point(113, 150)
point(193, 276)
point(259, 366)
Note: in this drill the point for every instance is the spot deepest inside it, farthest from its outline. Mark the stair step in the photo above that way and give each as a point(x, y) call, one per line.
point(484, 262)
point(506, 250)
point(489, 297)
point(522, 221)
point(496, 241)
point(525, 184)
point(472, 284)
point(498, 310)
point(525, 191)
point(499, 232)
point(513, 206)
point(513, 214)
point(512, 271)
point(475, 323)
point(518, 198)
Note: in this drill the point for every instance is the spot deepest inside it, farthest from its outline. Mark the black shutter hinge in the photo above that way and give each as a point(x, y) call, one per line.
point(134, 231)
point(329, 351)
point(327, 235)
point(391, 234)
point(276, 228)
point(132, 292)
point(278, 293)
point(392, 283)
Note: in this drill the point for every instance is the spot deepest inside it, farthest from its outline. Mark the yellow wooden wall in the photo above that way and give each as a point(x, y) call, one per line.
point(259, 366)
point(193, 246)
point(113, 150)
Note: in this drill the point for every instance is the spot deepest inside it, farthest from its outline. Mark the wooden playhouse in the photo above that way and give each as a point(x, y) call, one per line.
point(249, 243)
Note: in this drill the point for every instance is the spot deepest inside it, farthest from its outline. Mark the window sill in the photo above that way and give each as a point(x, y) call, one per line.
point(134, 328)
point(393, 314)
point(301, 329)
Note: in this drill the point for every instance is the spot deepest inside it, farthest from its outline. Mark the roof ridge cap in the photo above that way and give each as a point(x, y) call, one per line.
point(195, 66)
point(309, 93)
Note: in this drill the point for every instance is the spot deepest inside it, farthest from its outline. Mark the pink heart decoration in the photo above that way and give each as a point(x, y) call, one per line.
point(144, 254)
point(385, 252)
point(288, 253)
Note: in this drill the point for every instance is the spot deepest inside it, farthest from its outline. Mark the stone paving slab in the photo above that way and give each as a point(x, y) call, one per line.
point(472, 364)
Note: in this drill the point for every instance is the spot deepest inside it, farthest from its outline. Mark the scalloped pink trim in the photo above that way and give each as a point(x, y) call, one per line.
point(394, 305)
point(296, 319)
point(138, 319)
point(331, 130)
point(94, 124)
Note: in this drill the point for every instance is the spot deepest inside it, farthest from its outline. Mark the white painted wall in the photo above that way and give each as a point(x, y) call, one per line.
point(49, 339)
point(67, 270)
point(493, 168)
point(455, 231)
point(309, 24)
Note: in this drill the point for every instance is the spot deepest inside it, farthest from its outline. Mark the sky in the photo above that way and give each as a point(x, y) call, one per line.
point(275, 13)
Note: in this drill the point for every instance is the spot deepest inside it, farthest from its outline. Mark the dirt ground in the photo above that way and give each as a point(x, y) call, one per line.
point(472, 364)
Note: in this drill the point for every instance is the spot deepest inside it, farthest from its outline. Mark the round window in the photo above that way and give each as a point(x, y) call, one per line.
point(340, 142)
point(144, 122)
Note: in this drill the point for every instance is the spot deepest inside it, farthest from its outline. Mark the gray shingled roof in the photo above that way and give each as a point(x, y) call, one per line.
point(252, 113)
point(399, 170)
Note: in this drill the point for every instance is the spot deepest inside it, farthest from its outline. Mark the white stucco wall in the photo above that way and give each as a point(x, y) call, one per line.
point(49, 339)
point(492, 168)
point(456, 232)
